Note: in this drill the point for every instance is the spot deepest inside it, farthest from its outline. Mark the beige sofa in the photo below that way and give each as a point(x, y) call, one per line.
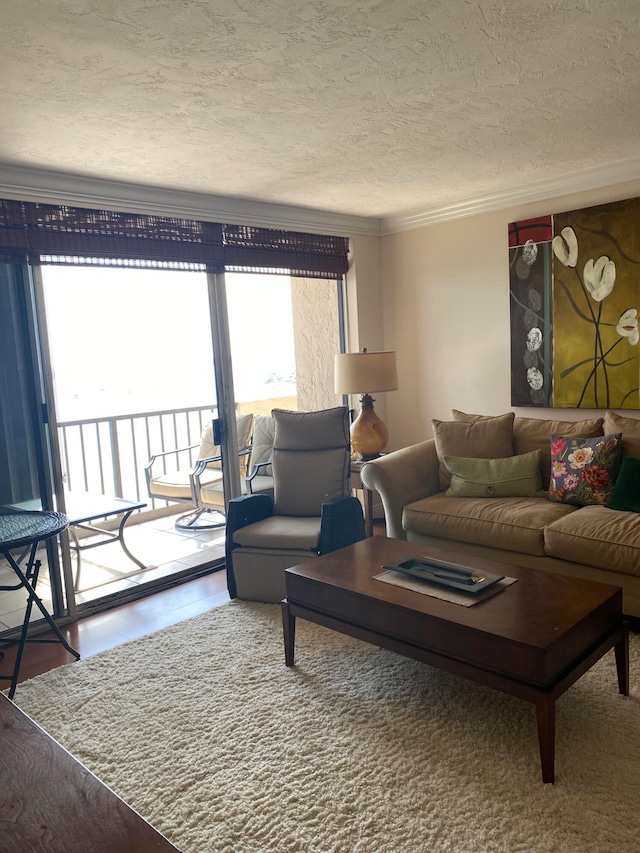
point(591, 542)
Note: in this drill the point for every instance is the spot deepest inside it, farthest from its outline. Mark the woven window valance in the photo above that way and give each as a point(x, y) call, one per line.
point(62, 234)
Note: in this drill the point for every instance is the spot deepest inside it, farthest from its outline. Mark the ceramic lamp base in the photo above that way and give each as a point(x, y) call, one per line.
point(369, 435)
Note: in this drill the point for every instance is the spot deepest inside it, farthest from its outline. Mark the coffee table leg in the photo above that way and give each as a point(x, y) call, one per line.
point(546, 717)
point(289, 631)
point(622, 662)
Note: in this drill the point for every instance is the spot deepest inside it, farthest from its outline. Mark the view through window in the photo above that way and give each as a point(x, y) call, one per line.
point(127, 340)
point(128, 344)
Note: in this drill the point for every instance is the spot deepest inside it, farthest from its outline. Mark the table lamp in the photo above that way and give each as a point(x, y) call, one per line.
point(363, 373)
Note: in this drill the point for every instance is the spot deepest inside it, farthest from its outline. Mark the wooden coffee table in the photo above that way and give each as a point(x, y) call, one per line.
point(533, 639)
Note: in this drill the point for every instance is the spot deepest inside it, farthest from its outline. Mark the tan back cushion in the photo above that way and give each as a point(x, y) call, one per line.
point(244, 425)
point(310, 459)
point(630, 429)
point(481, 438)
point(263, 435)
point(457, 415)
point(535, 434)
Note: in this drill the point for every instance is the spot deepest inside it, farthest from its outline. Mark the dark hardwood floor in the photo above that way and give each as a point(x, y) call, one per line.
point(116, 626)
point(106, 630)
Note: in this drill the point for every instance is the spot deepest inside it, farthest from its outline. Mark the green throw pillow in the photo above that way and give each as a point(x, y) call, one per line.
point(510, 477)
point(626, 492)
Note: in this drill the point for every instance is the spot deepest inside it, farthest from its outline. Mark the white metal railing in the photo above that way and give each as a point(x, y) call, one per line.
point(107, 455)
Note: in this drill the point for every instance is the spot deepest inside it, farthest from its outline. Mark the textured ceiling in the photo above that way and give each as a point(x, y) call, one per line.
point(355, 106)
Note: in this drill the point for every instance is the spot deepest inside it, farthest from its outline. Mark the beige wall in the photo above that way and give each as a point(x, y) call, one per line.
point(365, 316)
point(445, 303)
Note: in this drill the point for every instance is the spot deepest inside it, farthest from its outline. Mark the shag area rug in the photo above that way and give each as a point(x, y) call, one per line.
point(206, 733)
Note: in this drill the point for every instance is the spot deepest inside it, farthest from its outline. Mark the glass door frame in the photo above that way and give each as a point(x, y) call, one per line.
point(28, 346)
point(225, 395)
point(40, 346)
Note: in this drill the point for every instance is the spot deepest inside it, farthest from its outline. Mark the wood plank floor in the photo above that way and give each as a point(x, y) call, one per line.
point(106, 630)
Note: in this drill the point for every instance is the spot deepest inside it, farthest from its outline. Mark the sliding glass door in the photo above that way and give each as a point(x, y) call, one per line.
point(136, 364)
point(132, 379)
point(130, 333)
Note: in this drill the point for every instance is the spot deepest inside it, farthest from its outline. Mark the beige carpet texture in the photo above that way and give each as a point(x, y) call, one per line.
point(205, 732)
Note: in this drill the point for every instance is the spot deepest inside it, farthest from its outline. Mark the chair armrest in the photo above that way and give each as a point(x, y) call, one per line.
point(402, 477)
point(156, 456)
point(254, 473)
point(148, 467)
point(342, 524)
point(241, 512)
point(170, 453)
point(200, 466)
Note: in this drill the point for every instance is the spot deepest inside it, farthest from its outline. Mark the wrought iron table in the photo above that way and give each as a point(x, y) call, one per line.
point(25, 530)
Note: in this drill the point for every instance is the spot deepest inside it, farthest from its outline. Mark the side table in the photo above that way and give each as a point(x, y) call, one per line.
point(367, 494)
point(25, 530)
point(83, 508)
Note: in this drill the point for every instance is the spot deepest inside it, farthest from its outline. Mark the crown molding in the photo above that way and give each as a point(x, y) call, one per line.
point(46, 186)
point(586, 179)
point(40, 185)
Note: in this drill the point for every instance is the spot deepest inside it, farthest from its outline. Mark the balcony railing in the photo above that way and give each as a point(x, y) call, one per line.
point(107, 455)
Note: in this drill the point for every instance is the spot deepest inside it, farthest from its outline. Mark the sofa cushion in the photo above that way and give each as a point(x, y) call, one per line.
point(630, 429)
point(512, 476)
point(535, 433)
point(457, 415)
point(485, 438)
point(626, 492)
point(596, 536)
point(513, 524)
point(584, 470)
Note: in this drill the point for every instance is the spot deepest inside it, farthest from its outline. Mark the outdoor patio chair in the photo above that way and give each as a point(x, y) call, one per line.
point(210, 493)
point(181, 486)
point(312, 511)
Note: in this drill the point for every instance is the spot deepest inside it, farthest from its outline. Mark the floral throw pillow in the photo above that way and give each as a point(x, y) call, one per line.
point(584, 470)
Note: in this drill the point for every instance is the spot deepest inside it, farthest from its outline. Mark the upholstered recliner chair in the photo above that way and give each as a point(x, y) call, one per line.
point(312, 511)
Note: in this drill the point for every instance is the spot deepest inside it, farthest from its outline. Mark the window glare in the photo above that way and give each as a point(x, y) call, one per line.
point(261, 332)
point(127, 340)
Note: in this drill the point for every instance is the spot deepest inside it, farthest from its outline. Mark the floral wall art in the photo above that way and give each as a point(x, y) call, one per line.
point(575, 295)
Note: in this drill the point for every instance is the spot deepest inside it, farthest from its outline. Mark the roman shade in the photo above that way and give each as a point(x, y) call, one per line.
point(60, 234)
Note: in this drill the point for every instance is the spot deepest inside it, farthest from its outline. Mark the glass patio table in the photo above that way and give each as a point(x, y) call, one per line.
point(83, 508)
point(25, 530)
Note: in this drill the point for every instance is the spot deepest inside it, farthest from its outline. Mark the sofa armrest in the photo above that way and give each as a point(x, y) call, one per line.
point(402, 477)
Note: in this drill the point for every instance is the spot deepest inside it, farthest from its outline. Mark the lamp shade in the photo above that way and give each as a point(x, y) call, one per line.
point(365, 372)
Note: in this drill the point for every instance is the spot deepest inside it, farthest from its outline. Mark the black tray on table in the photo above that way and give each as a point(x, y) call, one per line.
point(453, 575)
